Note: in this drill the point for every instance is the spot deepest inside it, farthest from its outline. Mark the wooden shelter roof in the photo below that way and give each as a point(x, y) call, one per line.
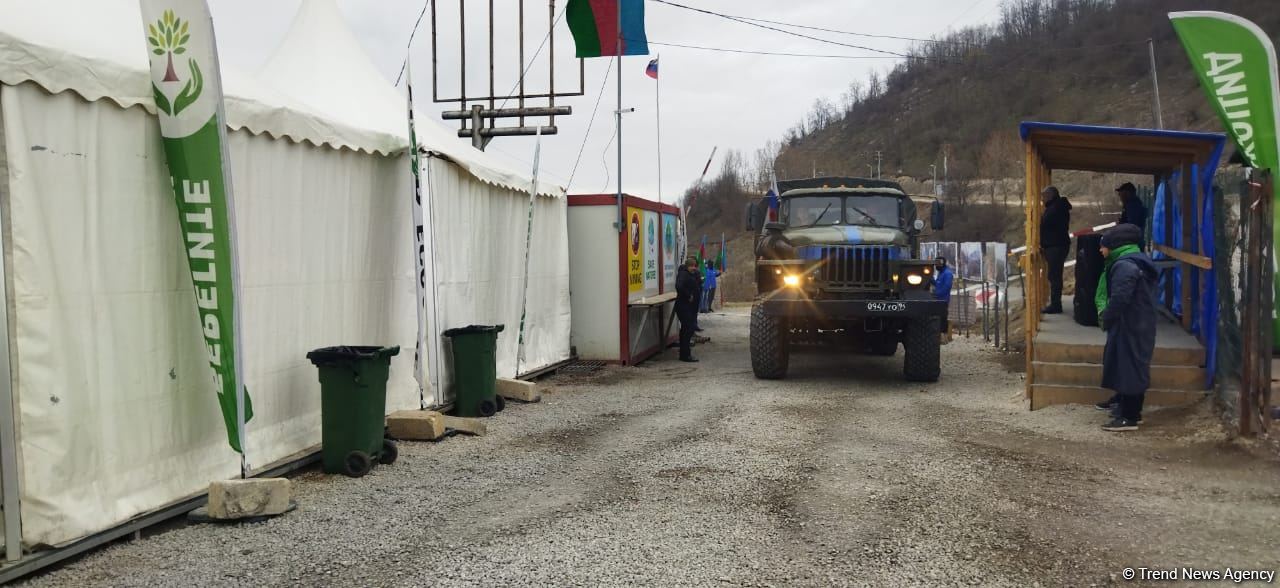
point(1120, 150)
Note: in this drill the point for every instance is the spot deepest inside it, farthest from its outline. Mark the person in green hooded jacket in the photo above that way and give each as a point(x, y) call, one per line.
point(1126, 299)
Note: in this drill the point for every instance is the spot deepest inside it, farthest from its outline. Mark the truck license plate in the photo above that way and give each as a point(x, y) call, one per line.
point(886, 306)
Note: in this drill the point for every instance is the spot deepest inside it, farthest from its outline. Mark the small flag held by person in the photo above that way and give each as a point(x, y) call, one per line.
point(652, 69)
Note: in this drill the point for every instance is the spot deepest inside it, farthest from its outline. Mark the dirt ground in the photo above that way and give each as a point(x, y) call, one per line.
point(700, 475)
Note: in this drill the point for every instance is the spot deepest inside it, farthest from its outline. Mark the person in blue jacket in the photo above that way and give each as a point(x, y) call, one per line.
point(942, 280)
point(709, 286)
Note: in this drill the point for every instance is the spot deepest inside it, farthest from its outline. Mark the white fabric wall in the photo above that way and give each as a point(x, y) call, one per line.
point(116, 412)
point(478, 268)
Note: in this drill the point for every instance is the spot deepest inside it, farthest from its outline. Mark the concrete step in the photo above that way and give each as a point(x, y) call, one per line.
point(1164, 377)
point(1043, 395)
point(1092, 353)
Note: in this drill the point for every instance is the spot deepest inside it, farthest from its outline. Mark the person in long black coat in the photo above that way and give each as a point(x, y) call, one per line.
point(1130, 320)
point(688, 294)
point(1055, 243)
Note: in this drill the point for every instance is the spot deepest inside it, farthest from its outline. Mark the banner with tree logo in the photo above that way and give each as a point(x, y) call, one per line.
point(188, 96)
point(1236, 64)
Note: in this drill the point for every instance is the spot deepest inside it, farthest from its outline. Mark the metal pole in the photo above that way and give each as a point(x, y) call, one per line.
point(477, 121)
point(522, 67)
point(618, 117)
point(462, 68)
point(1155, 86)
point(657, 91)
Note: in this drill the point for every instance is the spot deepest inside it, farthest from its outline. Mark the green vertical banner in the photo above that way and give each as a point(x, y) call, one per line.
point(187, 87)
point(1236, 64)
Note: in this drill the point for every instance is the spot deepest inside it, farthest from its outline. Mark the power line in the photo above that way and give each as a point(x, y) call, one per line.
point(841, 32)
point(590, 123)
point(773, 53)
point(409, 46)
point(786, 32)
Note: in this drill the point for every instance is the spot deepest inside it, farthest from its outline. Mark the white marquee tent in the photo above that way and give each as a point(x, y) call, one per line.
point(100, 353)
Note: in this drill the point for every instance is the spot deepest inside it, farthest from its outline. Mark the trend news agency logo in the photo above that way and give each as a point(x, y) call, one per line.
point(168, 37)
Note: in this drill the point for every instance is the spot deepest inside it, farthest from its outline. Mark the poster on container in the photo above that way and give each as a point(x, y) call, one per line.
point(928, 251)
point(948, 251)
point(651, 258)
point(635, 254)
point(996, 262)
point(971, 261)
point(670, 230)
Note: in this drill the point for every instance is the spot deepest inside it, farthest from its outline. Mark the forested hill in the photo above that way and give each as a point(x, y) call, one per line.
point(1079, 61)
point(1076, 61)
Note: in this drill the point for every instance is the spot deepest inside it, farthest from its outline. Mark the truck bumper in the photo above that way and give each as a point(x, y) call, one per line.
point(845, 309)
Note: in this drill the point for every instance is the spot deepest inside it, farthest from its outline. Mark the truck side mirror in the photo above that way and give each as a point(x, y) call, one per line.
point(774, 226)
point(937, 215)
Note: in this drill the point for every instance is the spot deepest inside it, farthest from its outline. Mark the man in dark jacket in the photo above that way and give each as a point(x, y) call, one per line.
point(688, 294)
point(1127, 310)
point(1134, 211)
point(1055, 242)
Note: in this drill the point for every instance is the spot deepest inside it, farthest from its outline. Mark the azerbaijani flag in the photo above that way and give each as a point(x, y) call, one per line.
point(594, 24)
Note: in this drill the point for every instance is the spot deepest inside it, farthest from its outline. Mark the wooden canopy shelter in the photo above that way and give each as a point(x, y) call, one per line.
point(1182, 164)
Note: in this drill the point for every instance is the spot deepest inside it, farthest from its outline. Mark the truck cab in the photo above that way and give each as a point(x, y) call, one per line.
point(838, 265)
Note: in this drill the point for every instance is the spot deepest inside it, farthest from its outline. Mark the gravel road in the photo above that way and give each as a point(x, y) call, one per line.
point(699, 475)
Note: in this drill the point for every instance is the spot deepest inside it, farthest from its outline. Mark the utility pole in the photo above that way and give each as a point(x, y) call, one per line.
point(1155, 86)
point(621, 210)
point(933, 167)
point(871, 171)
point(878, 158)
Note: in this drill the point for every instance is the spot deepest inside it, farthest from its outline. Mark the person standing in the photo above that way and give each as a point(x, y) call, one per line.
point(1133, 211)
point(709, 280)
point(1055, 242)
point(688, 291)
point(1127, 310)
point(942, 280)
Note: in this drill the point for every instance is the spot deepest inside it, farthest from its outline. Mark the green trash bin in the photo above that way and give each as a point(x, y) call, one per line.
point(353, 407)
point(475, 370)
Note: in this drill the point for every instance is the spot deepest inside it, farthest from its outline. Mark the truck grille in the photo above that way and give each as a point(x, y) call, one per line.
point(854, 268)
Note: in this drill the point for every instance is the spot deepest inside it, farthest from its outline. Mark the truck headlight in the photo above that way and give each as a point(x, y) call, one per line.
point(791, 280)
point(915, 279)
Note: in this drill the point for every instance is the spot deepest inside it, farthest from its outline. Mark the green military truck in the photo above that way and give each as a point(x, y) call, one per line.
point(840, 266)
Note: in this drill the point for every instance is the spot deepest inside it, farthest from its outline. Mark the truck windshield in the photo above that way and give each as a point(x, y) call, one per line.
point(872, 210)
point(809, 211)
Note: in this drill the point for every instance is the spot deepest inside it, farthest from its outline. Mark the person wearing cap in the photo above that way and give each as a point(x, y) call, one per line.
point(688, 295)
point(1134, 212)
point(1127, 311)
point(1055, 243)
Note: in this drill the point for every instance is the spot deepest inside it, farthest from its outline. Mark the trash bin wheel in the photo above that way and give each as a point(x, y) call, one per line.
point(501, 402)
point(389, 452)
point(488, 407)
point(357, 464)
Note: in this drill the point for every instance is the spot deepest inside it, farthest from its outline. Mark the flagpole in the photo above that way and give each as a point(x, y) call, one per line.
point(618, 116)
point(658, 108)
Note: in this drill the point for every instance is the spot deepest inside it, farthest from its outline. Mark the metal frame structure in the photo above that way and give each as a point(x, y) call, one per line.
point(478, 114)
point(1255, 401)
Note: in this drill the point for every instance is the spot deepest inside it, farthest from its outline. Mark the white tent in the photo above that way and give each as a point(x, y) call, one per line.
point(115, 415)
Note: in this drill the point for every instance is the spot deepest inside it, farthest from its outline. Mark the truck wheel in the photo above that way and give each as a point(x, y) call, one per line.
point(922, 345)
point(769, 346)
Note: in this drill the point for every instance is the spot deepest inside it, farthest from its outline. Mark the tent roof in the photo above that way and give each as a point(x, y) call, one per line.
point(320, 63)
point(1120, 150)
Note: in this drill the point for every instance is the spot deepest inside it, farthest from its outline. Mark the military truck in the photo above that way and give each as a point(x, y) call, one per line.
point(837, 265)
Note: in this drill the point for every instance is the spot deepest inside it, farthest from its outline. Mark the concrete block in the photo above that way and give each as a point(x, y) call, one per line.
point(465, 425)
point(416, 425)
point(518, 390)
point(257, 497)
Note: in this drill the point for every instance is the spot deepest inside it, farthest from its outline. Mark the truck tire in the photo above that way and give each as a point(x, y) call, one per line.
point(769, 346)
point(923, 362)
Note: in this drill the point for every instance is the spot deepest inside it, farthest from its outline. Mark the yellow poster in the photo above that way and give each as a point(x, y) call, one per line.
point(635, 253)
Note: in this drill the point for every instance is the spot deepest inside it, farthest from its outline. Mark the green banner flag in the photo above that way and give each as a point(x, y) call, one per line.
point(1236, 64)
point(187, 87)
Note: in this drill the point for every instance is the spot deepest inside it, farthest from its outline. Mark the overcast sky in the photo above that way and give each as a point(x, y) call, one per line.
point(734, 101)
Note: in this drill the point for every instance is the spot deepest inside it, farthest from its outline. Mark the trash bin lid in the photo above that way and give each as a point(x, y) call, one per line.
point(473, 329)
point(350, 353)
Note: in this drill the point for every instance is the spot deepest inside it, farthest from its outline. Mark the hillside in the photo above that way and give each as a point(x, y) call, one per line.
point(962, 96)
